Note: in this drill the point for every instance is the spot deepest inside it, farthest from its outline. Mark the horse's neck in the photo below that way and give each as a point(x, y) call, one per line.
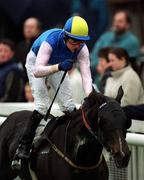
point(83, 148)
point(92, 117)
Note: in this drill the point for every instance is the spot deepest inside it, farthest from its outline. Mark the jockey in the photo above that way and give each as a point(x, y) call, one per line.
point(52, 53)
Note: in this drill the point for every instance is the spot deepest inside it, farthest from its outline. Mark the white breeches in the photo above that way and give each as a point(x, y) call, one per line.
point(40, 91)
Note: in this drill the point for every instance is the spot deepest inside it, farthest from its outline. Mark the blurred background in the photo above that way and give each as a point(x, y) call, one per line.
point(55, 12)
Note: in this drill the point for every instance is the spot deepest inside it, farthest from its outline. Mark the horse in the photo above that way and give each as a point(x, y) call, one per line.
point(74, 150)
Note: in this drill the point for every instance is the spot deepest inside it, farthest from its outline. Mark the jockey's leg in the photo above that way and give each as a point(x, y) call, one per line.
point(42, 102)
point(65, 101)
point(25, 143)
point(64, 96)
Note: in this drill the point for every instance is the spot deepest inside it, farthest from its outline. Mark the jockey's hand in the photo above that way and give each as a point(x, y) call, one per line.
point(65, 65)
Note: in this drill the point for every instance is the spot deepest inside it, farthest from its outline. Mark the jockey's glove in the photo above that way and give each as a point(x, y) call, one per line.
point(65, 65)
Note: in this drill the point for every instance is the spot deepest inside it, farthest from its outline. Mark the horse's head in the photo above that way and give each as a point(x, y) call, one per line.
point(111, 125)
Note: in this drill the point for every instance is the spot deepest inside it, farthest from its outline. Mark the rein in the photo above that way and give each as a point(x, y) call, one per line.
point(85, 121)
point(63, 156)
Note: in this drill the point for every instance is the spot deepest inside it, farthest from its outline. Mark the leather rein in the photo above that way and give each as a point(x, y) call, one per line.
point(68, 160)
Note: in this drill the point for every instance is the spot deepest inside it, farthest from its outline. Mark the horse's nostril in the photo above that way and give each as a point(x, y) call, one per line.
point(121, 159)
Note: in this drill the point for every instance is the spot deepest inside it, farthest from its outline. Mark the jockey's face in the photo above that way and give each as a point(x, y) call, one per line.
point(73, 45)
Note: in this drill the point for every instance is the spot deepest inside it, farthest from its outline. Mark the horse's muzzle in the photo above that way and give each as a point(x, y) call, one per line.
point(122, 160)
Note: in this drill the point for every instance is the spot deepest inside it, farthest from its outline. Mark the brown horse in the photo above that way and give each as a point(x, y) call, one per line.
point(74, 150)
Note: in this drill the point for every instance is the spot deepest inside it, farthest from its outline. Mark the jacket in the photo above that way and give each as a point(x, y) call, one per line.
point(11, 82)
point(131, 84)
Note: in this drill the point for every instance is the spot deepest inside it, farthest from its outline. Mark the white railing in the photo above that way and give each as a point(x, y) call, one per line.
point(135, 169)
point(135, 139)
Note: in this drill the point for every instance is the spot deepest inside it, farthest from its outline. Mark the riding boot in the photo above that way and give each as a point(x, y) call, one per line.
point(51, 126)
point(23, 150)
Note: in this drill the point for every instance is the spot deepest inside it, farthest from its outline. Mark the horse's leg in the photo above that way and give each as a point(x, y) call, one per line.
point(5, 170)
point(5, 173)
point(103, 172)
point(24, 173)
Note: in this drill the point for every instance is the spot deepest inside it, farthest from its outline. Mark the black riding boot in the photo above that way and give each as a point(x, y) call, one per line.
point(23, 150)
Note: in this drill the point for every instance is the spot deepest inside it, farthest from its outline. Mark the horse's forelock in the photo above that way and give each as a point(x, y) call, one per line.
point(113, 114)
point(94, 98)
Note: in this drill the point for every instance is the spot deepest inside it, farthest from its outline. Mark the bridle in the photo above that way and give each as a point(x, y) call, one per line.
point(63, 155)
point(86, 121)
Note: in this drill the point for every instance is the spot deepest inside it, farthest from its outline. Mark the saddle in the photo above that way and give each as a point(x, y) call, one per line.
point(45, 130)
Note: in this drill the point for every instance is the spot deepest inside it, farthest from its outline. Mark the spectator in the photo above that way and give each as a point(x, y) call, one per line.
point(123, 75)
point(28, 93)
point(11, 82)
point(96, 14)
point(103, 67)
point(31, 30)
point(119, 36)
point(135, 111)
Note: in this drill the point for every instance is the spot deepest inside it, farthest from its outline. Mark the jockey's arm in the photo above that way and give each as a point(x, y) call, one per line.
point(41, 67)
point(84, 63)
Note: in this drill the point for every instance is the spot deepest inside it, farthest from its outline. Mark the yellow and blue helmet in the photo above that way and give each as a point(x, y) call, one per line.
point(76, 28)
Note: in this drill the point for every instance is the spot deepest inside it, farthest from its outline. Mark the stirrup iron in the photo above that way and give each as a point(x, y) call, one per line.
point(16, 164)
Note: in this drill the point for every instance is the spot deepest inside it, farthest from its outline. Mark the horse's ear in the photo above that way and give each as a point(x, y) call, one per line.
point(119, 94)
point(95, 89)
point(93, 92)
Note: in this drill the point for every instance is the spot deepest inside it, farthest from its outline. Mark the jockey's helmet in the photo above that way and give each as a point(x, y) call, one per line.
point(77, 28)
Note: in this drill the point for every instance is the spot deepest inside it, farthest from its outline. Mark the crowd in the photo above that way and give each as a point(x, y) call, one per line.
point(114, 56)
